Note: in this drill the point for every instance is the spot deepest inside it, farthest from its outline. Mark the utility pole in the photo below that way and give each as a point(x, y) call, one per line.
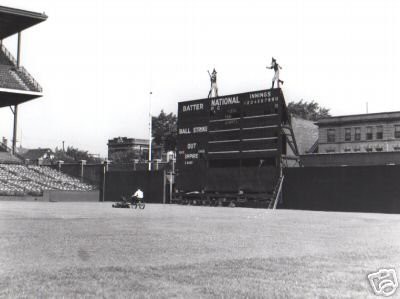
point(171, 178)
point(150, 128)
point(14, 141)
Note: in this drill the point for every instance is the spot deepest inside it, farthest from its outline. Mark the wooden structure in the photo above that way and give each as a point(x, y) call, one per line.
point(231, 149)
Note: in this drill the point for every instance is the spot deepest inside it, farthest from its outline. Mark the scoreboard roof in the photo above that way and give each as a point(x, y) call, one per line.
point(11, 97)
point(14, 20)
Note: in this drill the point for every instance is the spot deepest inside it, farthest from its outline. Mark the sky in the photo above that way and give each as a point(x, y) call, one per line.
point(98, 60)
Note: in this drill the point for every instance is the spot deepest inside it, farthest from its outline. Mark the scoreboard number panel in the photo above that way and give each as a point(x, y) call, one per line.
point(261, 103)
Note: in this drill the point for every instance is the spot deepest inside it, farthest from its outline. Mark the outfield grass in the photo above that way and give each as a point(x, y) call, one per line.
point(91, 250)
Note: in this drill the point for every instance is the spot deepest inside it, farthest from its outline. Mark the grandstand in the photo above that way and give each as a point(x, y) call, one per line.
point(16, 84)
point(17, 179)
point(14, 77)
point(16, 87)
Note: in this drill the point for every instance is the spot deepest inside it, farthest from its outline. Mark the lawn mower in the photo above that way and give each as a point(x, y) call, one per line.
point(122, 204)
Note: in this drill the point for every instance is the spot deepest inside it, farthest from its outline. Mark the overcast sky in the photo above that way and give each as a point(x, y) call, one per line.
point(97, 60)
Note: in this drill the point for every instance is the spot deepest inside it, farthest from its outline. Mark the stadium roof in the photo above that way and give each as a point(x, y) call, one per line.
point(14, 20)
point(10, 97)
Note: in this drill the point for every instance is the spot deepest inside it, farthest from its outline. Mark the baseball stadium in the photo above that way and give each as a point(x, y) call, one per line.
point(247, 209)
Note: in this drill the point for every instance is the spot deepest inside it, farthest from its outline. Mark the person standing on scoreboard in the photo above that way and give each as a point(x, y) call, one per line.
point(276, 67)
point(214, 87)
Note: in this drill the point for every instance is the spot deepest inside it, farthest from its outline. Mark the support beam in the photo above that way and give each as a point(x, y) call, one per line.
point(164, 184)
point(14, 141)
point(82, 174)
point(19, 50)
point(103, 182)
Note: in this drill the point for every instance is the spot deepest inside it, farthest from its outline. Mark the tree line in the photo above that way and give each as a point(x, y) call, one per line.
point(164, 133)
point(165, 125)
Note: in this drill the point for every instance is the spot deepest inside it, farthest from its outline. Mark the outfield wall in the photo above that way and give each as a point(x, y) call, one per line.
point(350, 159)
point(73, 196)
point(351, 189)
point(57, 195)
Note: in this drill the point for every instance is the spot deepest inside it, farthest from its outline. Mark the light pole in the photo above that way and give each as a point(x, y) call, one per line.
point(150, 135)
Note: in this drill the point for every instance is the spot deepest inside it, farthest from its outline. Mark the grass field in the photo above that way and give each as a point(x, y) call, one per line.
point(91, 250)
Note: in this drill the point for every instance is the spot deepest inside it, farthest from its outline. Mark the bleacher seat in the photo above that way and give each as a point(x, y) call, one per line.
point(33, 180)
point(13, 77)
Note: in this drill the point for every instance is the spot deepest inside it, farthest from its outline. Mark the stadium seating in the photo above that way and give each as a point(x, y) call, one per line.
point(4, 59)
point(13, 77)
point(33, 180)
point(9, 79)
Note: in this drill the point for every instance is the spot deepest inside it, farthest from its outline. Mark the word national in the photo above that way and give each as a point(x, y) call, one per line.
point(225, 101)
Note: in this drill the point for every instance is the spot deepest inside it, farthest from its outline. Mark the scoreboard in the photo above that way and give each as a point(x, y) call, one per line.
point(239, 126)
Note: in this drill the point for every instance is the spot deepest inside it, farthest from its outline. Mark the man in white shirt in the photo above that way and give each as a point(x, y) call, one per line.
point(137, 196)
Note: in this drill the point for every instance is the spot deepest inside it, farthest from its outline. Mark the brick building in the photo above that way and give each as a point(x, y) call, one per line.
point(138, 148)
point(374, 132)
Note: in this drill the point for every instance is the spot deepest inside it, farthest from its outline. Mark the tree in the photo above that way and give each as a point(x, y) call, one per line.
point(164, 130)
point(308, 110)
point(74, 155)
point(129, 156)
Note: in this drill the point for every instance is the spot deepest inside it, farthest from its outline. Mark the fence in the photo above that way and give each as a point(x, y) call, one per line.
point(350, 189)
point(125, 183)
point(123, 179)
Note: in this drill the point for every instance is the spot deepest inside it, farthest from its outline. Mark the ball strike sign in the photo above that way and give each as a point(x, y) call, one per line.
point(192, 130)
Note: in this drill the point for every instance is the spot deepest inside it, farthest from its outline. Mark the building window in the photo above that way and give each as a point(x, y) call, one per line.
point(379, 132)
point(347, 134)
point(357, 149)
point(347, 149)
point(331, 135)
point(357, 134)
point(330, 150)
point(397, 131)
point(368, 136)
